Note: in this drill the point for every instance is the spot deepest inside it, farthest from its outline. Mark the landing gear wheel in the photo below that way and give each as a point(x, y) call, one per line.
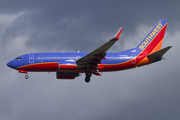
point(88, 75)
point(26, 76)
point(87, 79)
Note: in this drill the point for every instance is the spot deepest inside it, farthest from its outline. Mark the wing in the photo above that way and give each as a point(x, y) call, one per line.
point(95, 57)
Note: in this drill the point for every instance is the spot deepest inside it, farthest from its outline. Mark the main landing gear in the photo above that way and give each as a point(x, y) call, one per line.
point(88, 75)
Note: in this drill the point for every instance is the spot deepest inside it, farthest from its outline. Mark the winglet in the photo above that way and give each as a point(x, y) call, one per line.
point(117, 35)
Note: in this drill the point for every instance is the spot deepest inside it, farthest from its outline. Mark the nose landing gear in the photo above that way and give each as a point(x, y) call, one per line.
point(22, 71)
point(26, 76)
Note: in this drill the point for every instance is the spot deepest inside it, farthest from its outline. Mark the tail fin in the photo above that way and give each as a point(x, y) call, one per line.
point(154, 39)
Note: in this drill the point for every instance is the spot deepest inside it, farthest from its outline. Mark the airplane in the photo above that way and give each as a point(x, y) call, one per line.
point(71, 65)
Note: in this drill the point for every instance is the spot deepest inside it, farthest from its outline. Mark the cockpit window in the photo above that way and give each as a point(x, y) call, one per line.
point(18, 58)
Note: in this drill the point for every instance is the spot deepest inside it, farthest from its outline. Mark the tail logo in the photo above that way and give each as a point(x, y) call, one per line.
point(151, 36)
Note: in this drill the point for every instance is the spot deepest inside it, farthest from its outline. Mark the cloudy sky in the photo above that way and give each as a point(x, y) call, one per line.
point(147, 93)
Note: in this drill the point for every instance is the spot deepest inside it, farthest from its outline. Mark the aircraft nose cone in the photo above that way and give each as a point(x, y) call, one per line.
point(10, 64)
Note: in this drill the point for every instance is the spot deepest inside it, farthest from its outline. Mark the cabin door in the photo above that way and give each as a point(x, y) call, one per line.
point(31, 58)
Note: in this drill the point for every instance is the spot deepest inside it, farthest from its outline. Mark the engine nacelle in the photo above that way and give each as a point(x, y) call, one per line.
point(67, 65)
point(62, 75)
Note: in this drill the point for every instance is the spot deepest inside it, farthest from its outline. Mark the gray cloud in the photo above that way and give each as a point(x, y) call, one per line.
point(149, 92)
point(49, 22)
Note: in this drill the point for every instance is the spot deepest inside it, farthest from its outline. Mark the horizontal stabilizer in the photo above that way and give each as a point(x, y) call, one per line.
point(159, 53)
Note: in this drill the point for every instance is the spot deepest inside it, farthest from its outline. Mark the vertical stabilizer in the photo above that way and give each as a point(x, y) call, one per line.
point(154, 39)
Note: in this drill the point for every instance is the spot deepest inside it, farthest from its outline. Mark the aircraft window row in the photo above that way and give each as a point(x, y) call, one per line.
point(71, 58)
point(117, 58)
point(18, 58)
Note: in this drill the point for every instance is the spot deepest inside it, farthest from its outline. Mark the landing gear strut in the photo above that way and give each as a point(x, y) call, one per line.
point(88, 75)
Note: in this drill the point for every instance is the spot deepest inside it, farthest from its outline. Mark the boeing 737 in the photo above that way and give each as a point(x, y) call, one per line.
point(71, 65)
